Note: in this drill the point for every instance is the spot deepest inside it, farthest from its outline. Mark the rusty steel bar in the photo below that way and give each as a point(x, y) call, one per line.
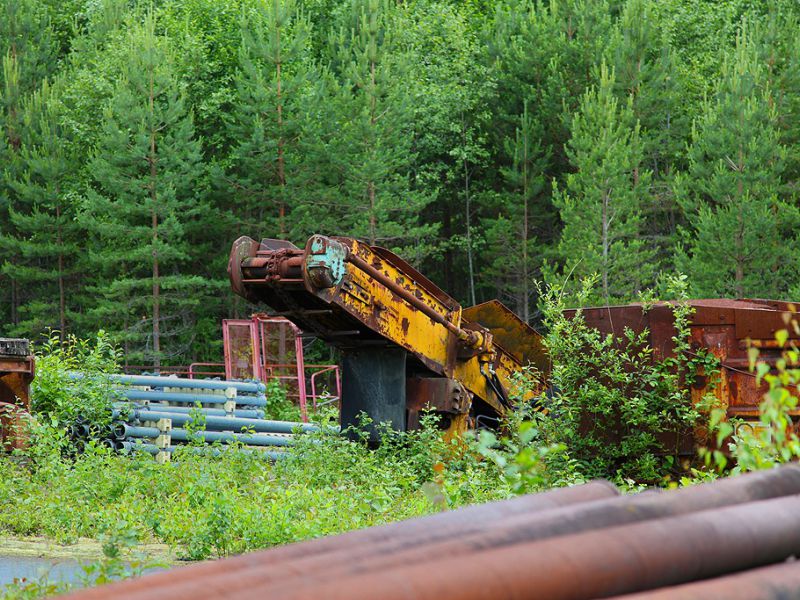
point(776, 582)
point(471, 519)
point(307, 572)
point(523, 528)
point(595, 564)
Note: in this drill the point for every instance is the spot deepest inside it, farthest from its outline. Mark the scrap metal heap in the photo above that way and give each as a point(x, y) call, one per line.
point(724, 328)
point(406, 345)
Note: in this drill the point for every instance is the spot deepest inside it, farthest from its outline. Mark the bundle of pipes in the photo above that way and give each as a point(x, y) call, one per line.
point(730, 538)
point(209, 405)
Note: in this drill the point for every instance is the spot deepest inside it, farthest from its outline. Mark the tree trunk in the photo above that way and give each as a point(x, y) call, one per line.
point(62, 312)
point(281, 141)
point(605, 244)
point(373, 225)
point(468, 218)
point(525, 190)
point(154, 226)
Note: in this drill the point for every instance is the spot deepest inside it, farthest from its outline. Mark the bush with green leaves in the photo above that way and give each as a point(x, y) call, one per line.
point(72, 383)
point(611, 404)
point(206, 506)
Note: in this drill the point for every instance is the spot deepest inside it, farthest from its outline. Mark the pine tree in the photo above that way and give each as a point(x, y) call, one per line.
point(452, 90)
point(267, 121)
point(513, 268)
point(731, 191)
point(370, 133)
point(27, 57)
point(43, 234)
point(601, 203)
point(646, 70)
point(147, 198)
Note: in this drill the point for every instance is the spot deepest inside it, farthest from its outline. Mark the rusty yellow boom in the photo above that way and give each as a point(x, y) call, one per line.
point(406, 345)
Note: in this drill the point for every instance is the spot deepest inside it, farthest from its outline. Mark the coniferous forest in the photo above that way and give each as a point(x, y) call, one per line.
point(493, 144)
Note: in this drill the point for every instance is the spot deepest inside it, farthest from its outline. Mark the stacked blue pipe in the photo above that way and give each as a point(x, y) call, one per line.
point(200, 409)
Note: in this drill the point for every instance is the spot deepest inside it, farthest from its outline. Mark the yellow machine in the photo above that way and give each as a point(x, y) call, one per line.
point(406, 345)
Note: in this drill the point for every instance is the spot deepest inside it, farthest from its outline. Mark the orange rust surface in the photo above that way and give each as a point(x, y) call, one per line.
point(16, 374)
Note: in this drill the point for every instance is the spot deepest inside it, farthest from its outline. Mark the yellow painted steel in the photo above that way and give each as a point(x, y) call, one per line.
point(388, 314)
point(345, 290)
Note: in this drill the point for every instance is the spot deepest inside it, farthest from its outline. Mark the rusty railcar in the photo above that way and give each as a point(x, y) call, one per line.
point(16, 374)
point(726, 328)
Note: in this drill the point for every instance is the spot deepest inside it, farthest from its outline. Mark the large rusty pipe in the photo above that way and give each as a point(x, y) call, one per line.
point(307, 572)
point(525, 528)
point(452, 523)
point(470, 338)
point(776, 582)
point(595, 564)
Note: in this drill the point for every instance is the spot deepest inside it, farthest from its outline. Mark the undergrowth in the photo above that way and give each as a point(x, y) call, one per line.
point(330, 482)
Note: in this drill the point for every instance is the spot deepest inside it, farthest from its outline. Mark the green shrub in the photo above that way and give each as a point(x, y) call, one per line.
point(59, 398)
point(611, 403)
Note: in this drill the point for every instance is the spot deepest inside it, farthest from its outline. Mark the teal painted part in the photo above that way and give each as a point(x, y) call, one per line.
point(328, 254)
point(128, 447)
point(123, 431)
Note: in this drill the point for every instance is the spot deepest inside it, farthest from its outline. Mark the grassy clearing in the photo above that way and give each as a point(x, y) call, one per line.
point(203, 506)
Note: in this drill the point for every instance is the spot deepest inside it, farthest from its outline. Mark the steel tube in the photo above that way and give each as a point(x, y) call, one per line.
point(133, 394)
point(217, 412)
point(187, 580)
point(124, 431)
point(601, 563)
point(776, 582)
point(228, 423)
point(522, 528)
point(207, 384)
point(525, 528)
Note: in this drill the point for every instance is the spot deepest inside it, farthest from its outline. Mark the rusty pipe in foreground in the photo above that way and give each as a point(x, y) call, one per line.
point(532, 527)
point(601, 563)
point(776, 582)
point(203, 576)
point(307, 572)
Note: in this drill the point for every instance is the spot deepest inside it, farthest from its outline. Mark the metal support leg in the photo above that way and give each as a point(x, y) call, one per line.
point(374, 382)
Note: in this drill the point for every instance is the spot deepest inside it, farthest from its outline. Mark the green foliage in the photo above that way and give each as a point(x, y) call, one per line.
point(146, 201)
point(58, 398)
point(732, 191)
point(279, 406)
point(206, 506)
point(617, 409)
point(480, 139)
point(601, 204)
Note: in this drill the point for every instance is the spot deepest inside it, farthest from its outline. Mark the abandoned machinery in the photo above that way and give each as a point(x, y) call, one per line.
point(407, 345)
